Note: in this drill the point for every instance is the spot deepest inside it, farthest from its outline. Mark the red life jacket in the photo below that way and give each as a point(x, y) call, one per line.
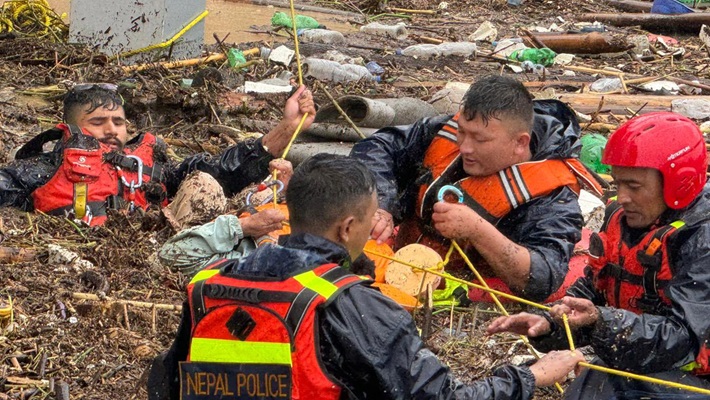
point(492, 197)
point(634, 278)
point(93, 178)
point(258, 339)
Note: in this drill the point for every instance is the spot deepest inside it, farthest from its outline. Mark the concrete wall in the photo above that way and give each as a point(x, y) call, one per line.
point(117, 26)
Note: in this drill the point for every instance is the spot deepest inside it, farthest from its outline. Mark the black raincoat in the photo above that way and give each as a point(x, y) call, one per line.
point(646, 343)
point(237, 167)
point(548, 226)
point(367, 342)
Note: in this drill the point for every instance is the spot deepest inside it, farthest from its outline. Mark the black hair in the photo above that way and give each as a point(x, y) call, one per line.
point(499, 97)
point(95, 96)
point(325, 188)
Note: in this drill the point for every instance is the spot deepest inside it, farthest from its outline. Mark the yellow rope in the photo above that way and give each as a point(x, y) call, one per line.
point(502, 309)
point(568, 330)
point(168, 42)
point(542, 307)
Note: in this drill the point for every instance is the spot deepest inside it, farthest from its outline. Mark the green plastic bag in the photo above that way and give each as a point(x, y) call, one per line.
point(302, 21)
point(235, 57)
point(544, 56)
point(451, 294)
point(592, 149)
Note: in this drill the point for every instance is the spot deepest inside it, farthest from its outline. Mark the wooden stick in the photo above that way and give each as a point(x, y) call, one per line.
point(186, 63)
point(408, 11)
point(142, 304)
point(193, 146)
point(125, 316)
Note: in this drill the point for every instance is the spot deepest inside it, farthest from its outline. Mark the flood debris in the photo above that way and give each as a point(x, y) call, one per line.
point(91, 335)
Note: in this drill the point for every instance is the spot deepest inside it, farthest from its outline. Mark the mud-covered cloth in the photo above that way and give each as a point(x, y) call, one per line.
point(198, 200)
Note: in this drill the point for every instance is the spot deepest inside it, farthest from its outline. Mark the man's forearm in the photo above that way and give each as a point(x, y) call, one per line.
point(509, 261)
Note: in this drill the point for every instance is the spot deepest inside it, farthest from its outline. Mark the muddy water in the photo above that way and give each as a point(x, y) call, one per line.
point(237, 18)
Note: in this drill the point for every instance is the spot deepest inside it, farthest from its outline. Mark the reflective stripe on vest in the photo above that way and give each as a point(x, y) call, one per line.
point(495, 195)
point(317, 284)
point(233, 351)
point(204, 275)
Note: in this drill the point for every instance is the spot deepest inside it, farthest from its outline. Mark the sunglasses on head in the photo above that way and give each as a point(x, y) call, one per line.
point(86, 86)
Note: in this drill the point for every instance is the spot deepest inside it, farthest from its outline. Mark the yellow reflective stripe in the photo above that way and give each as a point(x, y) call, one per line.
point(613, 198)
point(690, 366)
point(204, 275)
point(316, 283)
point(233, 351)
point(677, 224)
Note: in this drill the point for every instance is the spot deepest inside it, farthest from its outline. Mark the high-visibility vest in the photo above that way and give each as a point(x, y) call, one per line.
point(634, 278)
point(93, 178)
point(257, 339)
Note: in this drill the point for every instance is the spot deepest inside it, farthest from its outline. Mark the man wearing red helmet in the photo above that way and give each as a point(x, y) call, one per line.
point(643, 304)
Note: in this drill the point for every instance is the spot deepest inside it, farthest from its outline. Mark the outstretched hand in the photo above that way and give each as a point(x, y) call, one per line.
point(284, 170)
point(522, 324)
point(262, 223)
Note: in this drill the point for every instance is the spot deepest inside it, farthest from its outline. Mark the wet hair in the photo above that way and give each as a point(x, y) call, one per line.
point(502, 98)
point(94, 96)
point(326, 188)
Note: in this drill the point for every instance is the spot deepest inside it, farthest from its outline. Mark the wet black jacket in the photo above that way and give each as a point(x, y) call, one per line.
point(237, 167)
point(395, 156)
point(367, 342)
point(654, 343)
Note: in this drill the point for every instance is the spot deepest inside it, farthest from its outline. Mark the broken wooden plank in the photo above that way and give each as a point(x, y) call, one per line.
point(141, 304)
point(583, 43)
point(672, 23)
point(588, 103)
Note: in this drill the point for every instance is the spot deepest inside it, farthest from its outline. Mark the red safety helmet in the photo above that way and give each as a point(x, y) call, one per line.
point(668, 142)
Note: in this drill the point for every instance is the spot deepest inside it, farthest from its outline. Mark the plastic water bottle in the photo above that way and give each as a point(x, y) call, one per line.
point(394, 31)
point(544, 56)
point(424, 51)
point(321, 36)
point(327, 70)
point(463, 49)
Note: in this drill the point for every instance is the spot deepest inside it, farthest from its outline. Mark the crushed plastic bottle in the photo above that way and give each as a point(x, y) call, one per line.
point(544, 56)
point(302, 21)
point(426, 51)
point(235, 57)
point(398, 31)
point(332, 71)
point(374, 68)
point(321, 36)
point(605, 85)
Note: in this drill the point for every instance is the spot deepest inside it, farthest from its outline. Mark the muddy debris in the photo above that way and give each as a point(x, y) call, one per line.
point(91, 332)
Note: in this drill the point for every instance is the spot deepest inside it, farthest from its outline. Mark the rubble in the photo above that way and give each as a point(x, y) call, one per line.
point(99, 346)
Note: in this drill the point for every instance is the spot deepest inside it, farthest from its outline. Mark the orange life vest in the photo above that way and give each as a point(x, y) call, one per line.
point(258, 339)
point(93, 178)
point(634, 278)
point(494, 196)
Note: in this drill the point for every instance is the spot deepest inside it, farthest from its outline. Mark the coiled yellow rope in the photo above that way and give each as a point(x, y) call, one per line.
point(33, 18)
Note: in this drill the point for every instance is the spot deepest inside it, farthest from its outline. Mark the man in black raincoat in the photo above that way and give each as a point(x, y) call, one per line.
point(515, 162)
point(367, 346)
point(643, 304)
point(97, 108)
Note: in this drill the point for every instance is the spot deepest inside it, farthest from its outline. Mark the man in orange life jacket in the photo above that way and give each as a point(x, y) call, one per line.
point(349, 340)
point(643, 304)
point(94, 166)
point(514, 159)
